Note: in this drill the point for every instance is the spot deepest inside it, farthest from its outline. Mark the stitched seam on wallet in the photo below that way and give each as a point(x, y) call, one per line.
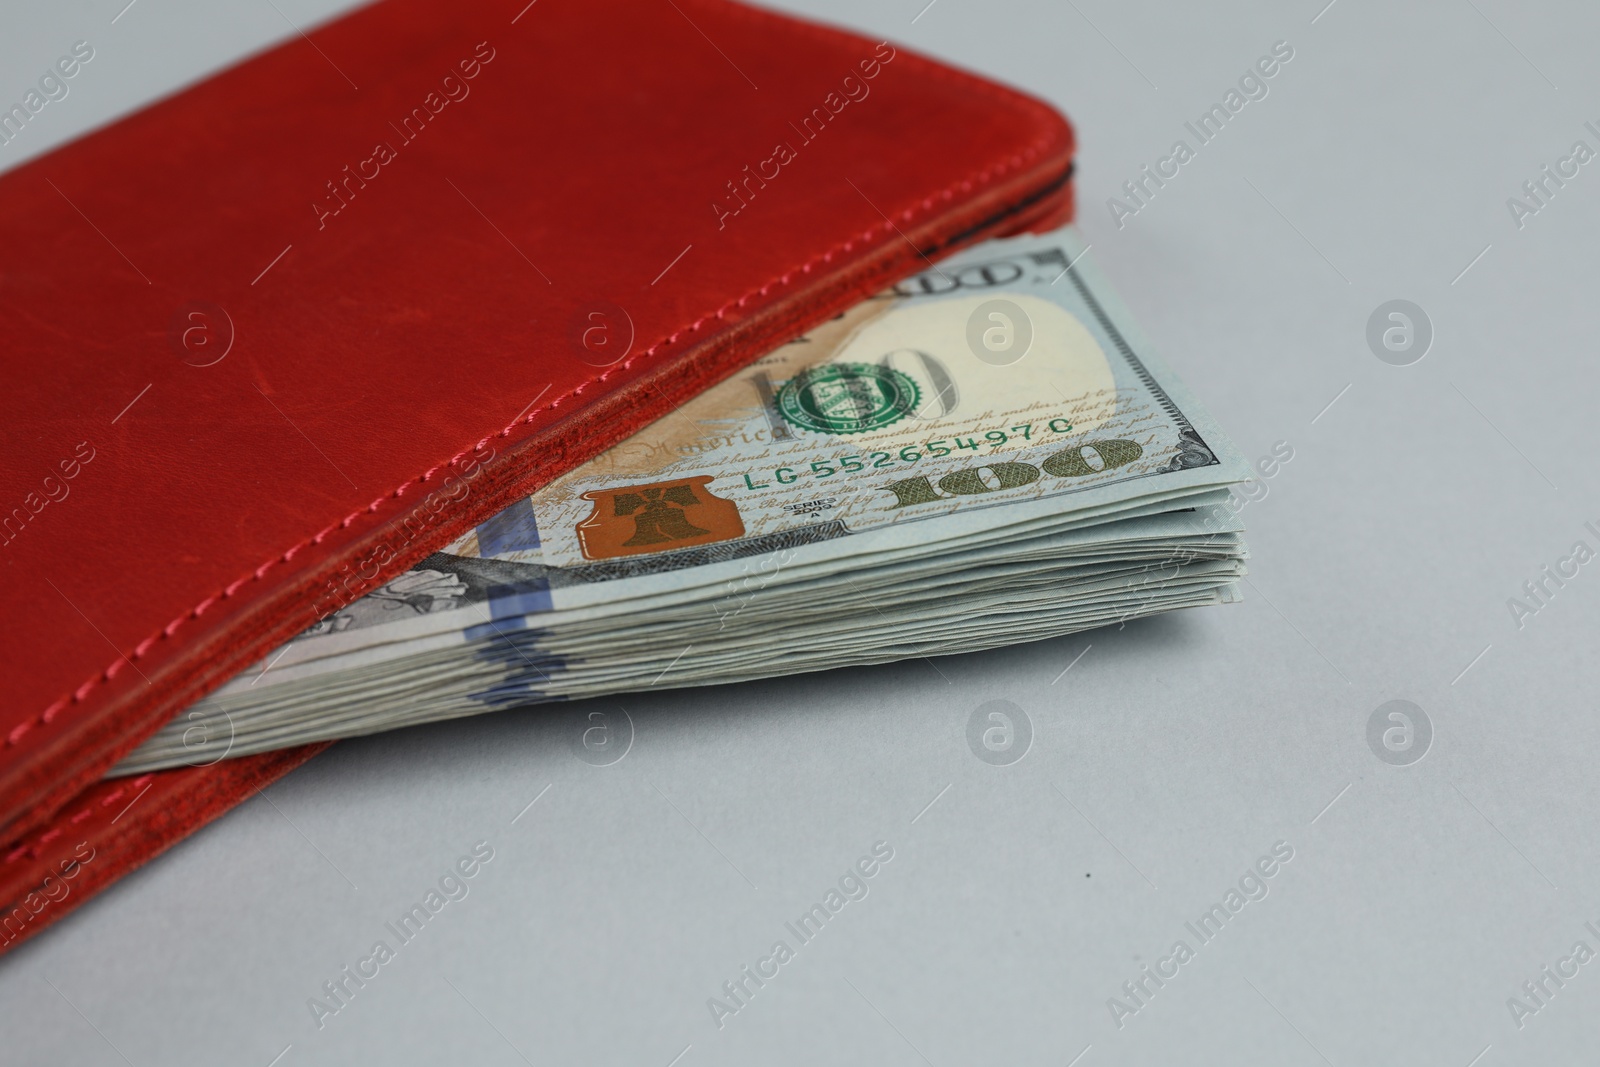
point(100, 807)
point(982, 177)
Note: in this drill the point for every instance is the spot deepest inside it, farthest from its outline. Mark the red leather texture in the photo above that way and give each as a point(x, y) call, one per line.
point(116, 826)
point(273, 339)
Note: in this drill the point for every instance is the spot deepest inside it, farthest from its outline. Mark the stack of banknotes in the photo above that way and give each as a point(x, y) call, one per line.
point(989, 453)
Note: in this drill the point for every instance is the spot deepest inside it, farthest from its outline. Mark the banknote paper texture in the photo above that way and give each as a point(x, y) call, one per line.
point(989, 452)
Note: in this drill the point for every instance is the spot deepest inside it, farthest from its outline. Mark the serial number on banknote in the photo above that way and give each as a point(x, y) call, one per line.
point(823, 468)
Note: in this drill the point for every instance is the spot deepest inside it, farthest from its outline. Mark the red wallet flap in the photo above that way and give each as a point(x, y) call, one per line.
point(273, 339)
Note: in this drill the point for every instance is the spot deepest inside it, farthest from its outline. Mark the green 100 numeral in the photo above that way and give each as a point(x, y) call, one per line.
point(1068, 463)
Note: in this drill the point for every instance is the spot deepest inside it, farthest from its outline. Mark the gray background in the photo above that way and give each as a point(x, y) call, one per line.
point(1163, 763)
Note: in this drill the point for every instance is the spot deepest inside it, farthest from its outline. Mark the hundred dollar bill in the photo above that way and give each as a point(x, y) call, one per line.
point(988, 452)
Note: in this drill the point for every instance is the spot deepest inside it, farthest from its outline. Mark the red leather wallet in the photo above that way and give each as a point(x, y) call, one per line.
point(271, 340)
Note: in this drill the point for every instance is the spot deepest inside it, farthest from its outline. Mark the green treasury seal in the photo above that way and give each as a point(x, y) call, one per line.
point(848, 397)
